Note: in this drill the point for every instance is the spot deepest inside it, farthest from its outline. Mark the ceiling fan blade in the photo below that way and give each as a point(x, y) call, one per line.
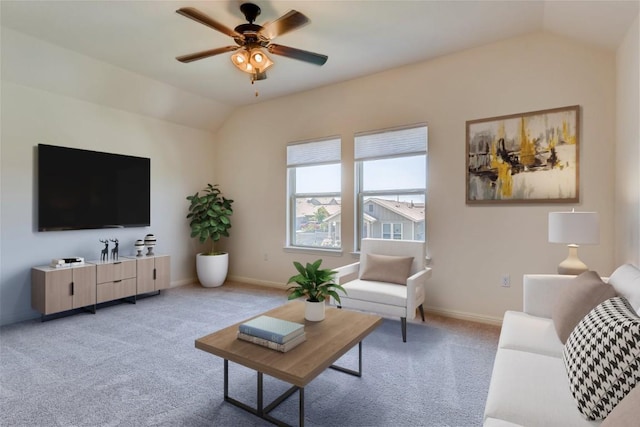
point(200, 17)
point(288, 22)
point(302, 55)
point(206, 53)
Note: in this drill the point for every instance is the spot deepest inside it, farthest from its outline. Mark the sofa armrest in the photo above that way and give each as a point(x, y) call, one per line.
point(541, 292)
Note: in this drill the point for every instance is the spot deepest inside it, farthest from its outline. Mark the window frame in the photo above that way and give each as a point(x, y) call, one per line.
point(361, 195)
point(293, 196)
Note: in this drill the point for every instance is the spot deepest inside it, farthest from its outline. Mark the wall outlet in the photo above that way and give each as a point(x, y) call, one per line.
point(505, 282)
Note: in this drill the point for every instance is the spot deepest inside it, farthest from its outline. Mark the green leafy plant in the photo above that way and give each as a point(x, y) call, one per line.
point(314, 283)
point(209, 216)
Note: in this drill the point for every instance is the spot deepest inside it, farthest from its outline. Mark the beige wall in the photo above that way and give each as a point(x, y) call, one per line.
point(627, 219)
point(180, 164)
point(471, 246)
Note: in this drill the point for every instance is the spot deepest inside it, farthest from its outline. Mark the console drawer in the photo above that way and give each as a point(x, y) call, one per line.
point(115, 290)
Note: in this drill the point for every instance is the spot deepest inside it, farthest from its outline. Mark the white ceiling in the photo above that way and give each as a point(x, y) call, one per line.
point(360, 37)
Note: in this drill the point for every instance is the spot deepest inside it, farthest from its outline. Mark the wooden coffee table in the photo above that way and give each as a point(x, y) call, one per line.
point(326, 342)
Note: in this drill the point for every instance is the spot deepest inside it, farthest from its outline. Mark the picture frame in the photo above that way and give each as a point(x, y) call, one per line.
point(524, 158)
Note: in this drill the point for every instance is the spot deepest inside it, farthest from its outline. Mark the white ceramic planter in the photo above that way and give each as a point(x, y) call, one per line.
point(314, 311)
point(212, 269)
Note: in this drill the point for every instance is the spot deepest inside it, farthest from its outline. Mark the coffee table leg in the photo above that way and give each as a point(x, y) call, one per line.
point(357, 373)
point(260, 410)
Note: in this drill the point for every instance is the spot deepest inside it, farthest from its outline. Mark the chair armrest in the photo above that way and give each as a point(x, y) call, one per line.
point(541, 291)
point(346, 270)
point(417, 279)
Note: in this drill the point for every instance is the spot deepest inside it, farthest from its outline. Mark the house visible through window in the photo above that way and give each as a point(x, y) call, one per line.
point(392, 231)
point(314, 198)
point(391, 183)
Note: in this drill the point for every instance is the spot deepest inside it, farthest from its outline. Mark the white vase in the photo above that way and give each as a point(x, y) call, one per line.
point(314, 311)
point(212, 269)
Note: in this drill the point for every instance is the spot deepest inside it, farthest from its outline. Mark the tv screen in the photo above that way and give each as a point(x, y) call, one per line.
point(82, 189)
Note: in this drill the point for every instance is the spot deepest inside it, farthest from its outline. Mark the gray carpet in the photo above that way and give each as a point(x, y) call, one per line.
point(136, 365)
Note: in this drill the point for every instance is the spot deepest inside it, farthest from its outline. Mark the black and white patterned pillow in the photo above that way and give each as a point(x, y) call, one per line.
point(602, 357)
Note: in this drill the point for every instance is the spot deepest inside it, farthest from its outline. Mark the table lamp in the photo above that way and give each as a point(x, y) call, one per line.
point(574, 228)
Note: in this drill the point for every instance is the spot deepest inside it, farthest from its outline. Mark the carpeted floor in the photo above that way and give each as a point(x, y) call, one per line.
point(136, 365)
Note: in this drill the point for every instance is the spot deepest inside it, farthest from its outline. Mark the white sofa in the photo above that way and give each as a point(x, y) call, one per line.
point(529, 384)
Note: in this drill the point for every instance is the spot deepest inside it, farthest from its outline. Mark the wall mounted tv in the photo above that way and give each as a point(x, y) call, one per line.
point(82, 189)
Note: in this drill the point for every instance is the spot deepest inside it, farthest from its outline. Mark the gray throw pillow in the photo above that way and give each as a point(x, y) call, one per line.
point(576, 300)
point(386, 268)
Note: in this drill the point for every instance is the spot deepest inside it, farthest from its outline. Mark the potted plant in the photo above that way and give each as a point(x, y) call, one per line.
point(209, 220)
point(316, 285)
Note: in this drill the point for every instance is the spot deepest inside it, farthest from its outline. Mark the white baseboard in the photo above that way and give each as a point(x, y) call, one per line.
point(252, 281)
point(462, 315)
point(183, 282)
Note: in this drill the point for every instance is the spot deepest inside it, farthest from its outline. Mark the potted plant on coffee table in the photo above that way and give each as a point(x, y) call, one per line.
point(208, 216)
point(316, 285)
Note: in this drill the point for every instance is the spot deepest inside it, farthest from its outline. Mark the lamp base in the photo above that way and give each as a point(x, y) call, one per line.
point(572, 265)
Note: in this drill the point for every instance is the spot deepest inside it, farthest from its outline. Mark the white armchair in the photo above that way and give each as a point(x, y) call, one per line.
point(391, 279)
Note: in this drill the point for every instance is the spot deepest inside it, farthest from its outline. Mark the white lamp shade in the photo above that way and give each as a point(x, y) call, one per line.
point(579, 228)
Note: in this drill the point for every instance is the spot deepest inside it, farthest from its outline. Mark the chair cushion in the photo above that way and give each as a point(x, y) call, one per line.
point(387, 268)
point(533, 334)
point(577, 299)
point(378, 292)
point(602, 357)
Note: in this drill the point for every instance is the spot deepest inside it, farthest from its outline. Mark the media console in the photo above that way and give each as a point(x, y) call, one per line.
point(56, 290)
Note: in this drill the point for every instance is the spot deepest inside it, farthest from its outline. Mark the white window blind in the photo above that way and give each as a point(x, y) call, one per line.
point(391, 143)
point(313, 153)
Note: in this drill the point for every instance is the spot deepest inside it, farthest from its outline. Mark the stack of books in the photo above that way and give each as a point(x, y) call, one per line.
point(276, 334)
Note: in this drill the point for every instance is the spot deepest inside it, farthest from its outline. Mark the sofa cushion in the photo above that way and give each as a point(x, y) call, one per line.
point(626, 281)
point(387, 268)
point(627, 412)
point(531, 390)
point(602, 357)
point(577, 299)
point(521, 331)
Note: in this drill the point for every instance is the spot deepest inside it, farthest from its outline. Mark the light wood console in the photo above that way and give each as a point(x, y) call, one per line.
point(56, 290)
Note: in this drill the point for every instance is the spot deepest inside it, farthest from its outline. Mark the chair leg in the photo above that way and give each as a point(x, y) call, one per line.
point(421, 308)
point(403, 321)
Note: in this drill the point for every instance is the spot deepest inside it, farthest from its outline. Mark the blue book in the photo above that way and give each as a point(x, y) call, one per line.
point(272, 329)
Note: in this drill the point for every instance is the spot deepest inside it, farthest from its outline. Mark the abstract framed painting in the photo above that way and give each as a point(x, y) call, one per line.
point(524, 158)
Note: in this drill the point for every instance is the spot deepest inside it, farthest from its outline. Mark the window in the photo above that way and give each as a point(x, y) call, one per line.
point(314, 185)
point(391, 183)
point(392, 231)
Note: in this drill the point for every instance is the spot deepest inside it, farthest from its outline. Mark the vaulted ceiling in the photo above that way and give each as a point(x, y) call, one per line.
point(359, 37)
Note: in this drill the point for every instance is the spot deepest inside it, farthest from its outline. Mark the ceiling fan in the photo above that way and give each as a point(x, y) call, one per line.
point(251, 38)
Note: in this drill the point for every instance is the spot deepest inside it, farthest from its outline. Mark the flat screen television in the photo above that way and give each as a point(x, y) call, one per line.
point(83, 189)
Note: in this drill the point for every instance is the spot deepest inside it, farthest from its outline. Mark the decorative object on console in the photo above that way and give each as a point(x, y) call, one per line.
point(316, 285)
point(150, 242)
point(114, 251)
point(104, 255)
point(209, 220)
point(139, 245)
point(574, 228)
point(66, 262)
point(524, 158)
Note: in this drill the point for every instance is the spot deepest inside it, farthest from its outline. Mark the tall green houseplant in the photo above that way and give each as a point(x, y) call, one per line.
point(209, 215)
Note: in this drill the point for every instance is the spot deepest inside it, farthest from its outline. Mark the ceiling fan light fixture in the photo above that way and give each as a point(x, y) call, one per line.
point(240, 59)
point(259, 60)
